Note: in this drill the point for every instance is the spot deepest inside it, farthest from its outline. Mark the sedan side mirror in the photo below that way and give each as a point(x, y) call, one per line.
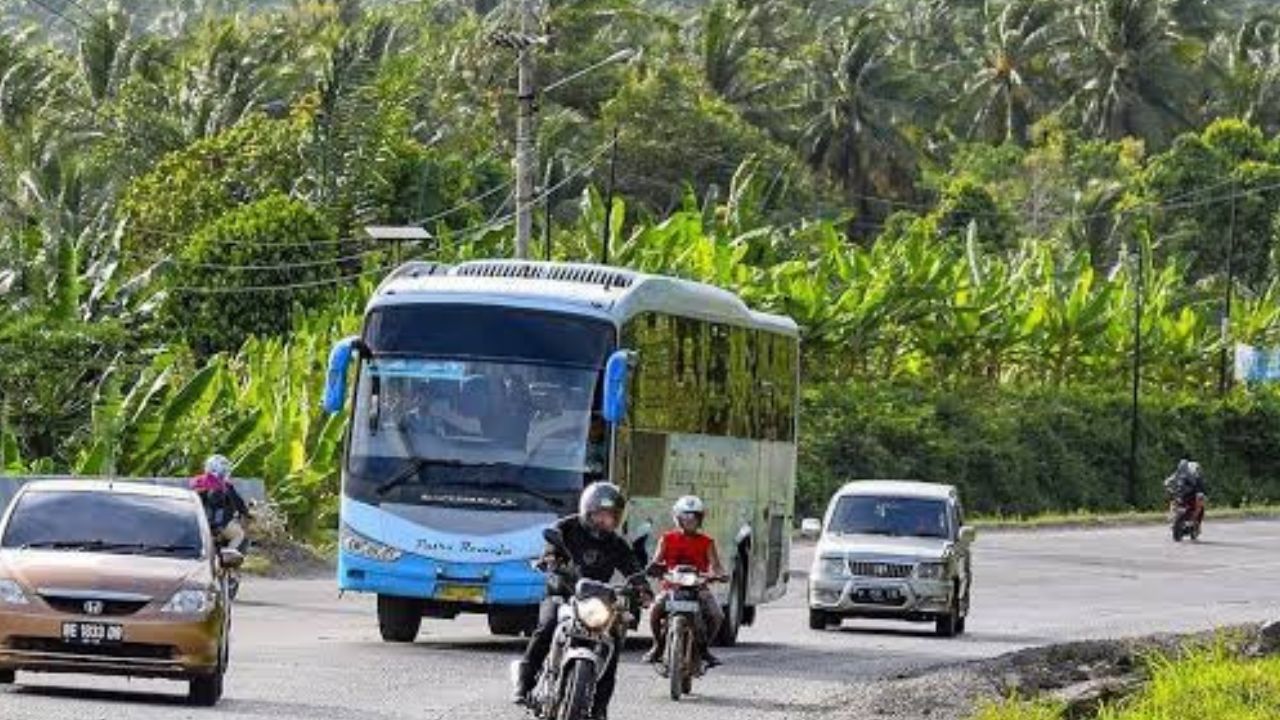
point(230, 559)
point(968, 535)
point(811, 528)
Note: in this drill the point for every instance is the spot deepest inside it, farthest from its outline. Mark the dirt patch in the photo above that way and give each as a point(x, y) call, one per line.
point(1082, 675)
point(283, 558)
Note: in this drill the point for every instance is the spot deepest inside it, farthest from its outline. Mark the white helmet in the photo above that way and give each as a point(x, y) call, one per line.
point(218, 466)
point(1193, 468)
point(688, 505)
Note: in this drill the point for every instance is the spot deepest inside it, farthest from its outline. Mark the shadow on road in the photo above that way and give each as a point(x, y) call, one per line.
point(259, 708)
point(112, 696)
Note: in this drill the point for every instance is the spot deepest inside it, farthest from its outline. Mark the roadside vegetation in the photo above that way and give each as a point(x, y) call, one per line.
point(1210, 684)
point(961, 203)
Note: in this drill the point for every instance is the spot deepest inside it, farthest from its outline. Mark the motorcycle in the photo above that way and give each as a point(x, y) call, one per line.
point(685, 629)
point(1186, 518)
point(589, 632)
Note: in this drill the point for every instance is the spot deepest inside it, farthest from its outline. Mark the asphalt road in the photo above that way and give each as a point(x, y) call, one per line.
point(300, 652)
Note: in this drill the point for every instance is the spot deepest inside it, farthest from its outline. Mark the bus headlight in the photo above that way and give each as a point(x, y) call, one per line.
point(595, 613)
point(357, 544)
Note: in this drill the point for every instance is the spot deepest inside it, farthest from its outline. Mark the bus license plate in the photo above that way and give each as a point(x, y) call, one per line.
point(461, 593)
point(682, 606)
point(86, 633)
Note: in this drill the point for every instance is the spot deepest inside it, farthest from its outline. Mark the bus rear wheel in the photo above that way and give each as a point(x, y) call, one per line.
point(736, 610)
point(399, 619)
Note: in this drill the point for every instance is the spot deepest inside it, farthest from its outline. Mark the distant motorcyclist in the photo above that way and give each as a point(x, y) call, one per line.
point(1186, 482)
point(596, 552)
point(687, 545)
point(223, 505)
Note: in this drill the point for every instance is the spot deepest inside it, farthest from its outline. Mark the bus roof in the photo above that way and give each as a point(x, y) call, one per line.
point(616, 293)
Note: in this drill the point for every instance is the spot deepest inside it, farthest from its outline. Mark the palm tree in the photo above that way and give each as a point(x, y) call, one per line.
point(1010, 85)
point(858, 100)
point(1134, 69)
point(739, 62)
point(1249, 61)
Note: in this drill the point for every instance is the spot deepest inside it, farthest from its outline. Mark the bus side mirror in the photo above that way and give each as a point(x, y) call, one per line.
point(967, 535)
point(335, 383)
point(617, 373)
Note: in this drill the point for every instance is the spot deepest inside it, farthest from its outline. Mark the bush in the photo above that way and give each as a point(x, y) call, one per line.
point(1034, 451)
point(228, 280)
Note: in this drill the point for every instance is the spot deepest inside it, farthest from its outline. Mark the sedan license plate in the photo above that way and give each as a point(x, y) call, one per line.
point(682, 606)
point(88, 633)
point(878, 596)
point(461, 593)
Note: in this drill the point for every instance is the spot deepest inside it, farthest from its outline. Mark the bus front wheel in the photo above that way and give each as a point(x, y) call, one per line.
point(399, 619)
point(736, 609)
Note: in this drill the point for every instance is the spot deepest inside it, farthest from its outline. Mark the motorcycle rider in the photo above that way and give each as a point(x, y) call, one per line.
point(1186, 482)
point(223, 505)
point(687, 545)
point(596, 552)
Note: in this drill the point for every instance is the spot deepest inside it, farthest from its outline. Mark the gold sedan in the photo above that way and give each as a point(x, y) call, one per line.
point(112, 578)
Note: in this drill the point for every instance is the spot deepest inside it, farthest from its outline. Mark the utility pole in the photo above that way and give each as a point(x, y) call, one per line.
point(1224, 370)
point(1138, 289)
point(608, 200)
point(526, 149)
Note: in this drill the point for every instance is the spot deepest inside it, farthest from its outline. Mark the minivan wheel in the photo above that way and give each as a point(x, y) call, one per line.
point(8, 677)
point(819, 620)
point(205, 690)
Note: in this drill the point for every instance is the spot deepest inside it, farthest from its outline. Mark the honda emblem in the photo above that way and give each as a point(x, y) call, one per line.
point(93, 607)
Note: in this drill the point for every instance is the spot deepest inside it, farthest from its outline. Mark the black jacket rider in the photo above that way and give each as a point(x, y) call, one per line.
point(596, 557)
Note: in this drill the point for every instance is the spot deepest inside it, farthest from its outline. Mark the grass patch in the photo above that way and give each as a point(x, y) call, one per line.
point(1209, 684)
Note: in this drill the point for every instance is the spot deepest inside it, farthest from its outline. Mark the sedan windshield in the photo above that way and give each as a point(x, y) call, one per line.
point(893, 516)
point(106, 522)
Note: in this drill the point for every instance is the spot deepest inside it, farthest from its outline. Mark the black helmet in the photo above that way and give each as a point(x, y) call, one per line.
point(601, 496)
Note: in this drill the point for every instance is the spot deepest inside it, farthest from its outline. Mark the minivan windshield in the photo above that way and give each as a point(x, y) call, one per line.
point(892, 516)
point(105, 522)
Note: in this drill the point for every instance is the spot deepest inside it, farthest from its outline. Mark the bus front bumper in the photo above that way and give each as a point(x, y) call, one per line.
point(465, 586)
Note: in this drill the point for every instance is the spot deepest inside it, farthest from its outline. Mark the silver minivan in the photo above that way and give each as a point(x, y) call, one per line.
point(892, 550)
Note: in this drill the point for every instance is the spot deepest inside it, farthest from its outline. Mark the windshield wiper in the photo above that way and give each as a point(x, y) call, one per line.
point(104, 545)
point(413, 468)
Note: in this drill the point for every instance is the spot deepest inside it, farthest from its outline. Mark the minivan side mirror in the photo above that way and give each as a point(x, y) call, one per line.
point(617, 375)
point(811, 528)
point(230, 559)
point(968, 534)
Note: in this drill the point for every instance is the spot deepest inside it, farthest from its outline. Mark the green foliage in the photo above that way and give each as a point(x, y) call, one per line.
point(247, 273)
point(1025, 451)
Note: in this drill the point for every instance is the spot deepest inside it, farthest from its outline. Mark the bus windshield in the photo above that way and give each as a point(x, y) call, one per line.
point(458, 411)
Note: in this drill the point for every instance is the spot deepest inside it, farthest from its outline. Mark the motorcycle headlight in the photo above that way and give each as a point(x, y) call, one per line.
point(190, 602)
point(931, 571)
point(11, 593)
point(832, 567)
point(686, 579)
point(357, 544)
point(594, 613)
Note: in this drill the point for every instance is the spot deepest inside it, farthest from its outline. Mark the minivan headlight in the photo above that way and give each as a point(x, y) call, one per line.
point(11, 593)
point(357, 544)
point(190, 602)
point(832, 567)
point(931, 571)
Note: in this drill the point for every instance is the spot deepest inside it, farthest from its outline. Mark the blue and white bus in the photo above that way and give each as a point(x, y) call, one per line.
point(486, 395)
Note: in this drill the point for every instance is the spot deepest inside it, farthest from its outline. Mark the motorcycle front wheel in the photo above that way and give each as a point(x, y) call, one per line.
point(580, 690)
point(678, 655)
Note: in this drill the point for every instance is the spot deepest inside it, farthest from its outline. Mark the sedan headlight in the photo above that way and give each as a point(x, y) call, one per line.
point(11, 593)
point(357, 544)
point(931, 571)
point(832, 567)
point(191, 602)
point(595, 613)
